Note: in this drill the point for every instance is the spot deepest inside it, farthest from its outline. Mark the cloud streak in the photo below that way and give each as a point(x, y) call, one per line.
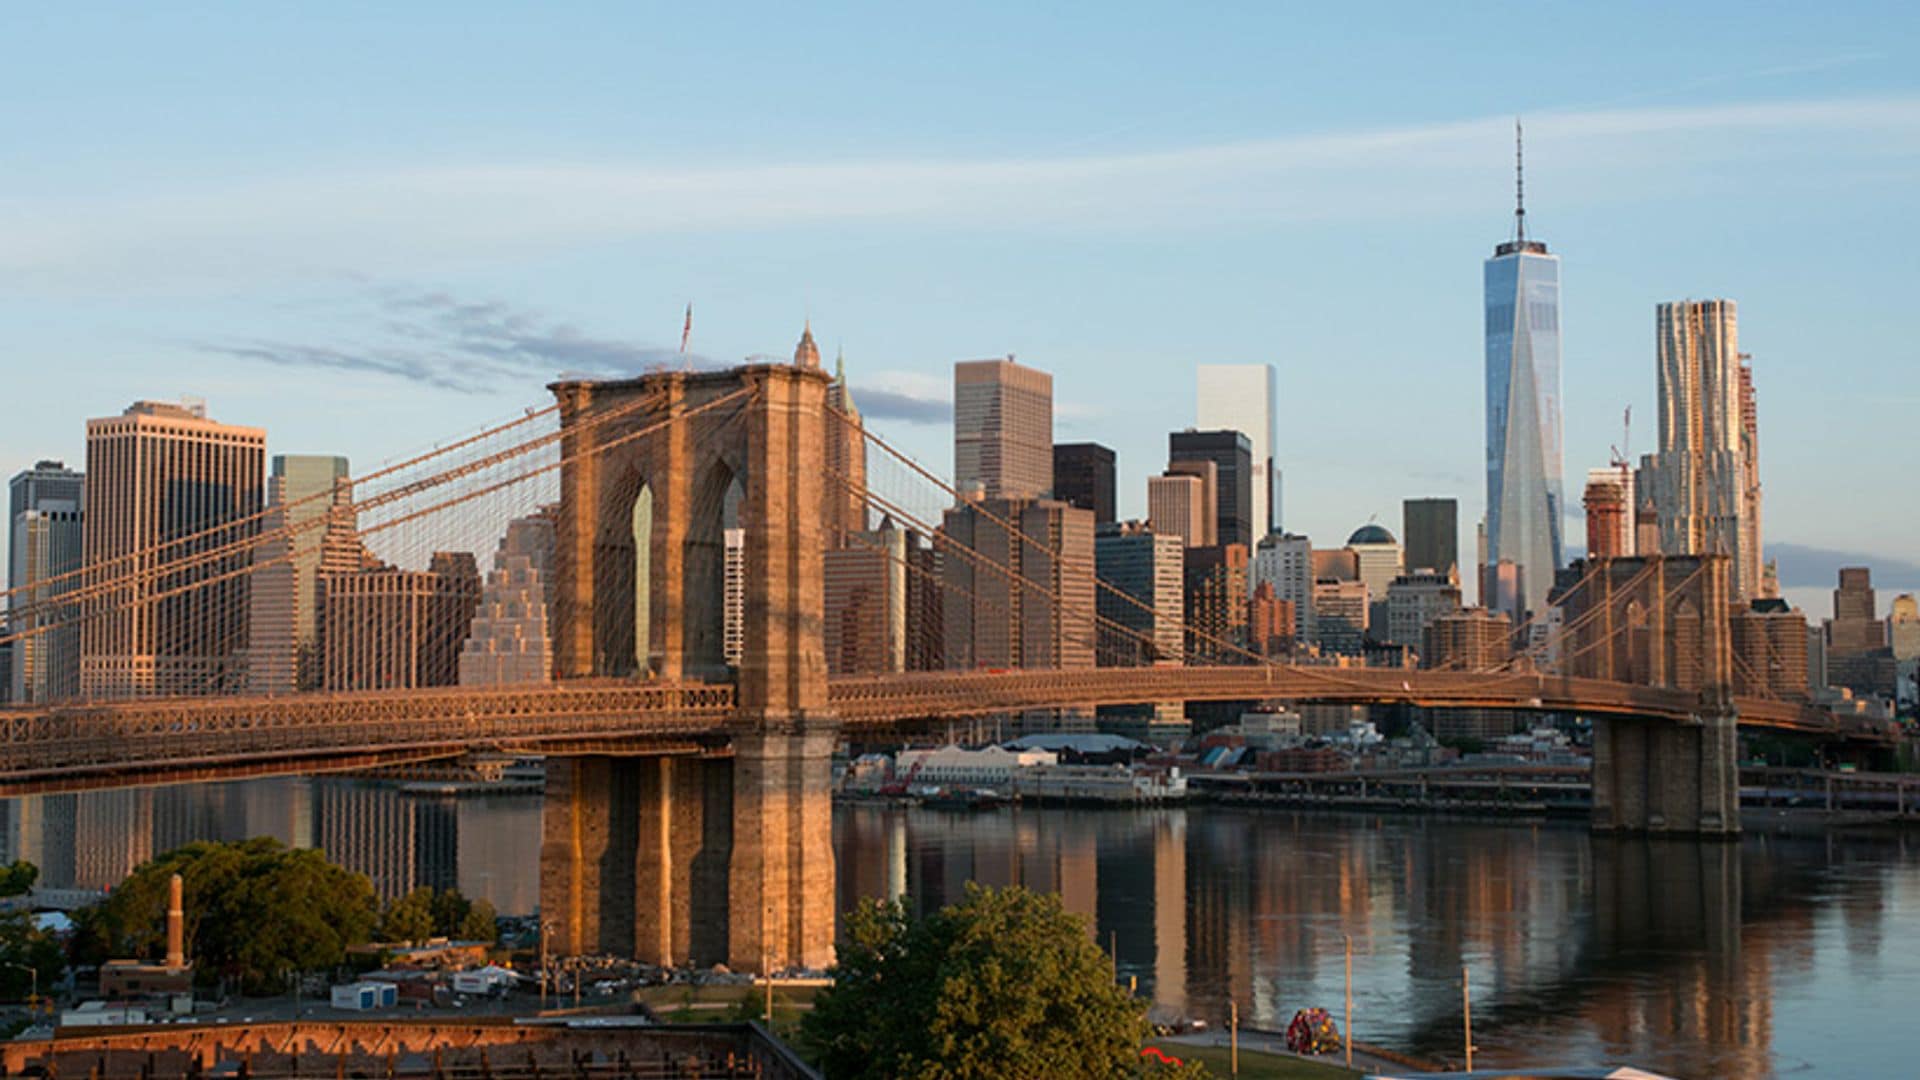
point(408, 217)
point(437, 340)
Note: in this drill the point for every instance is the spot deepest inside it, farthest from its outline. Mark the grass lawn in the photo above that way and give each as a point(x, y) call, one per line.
point(1255, 1065)
point(718, 1004)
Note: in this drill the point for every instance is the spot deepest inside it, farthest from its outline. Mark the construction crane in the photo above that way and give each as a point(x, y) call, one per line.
point(1622, 454)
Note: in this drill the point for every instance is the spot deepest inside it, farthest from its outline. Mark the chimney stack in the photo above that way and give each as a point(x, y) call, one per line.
point(176, 927)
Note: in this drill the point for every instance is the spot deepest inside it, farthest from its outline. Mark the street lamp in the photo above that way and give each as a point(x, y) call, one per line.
point(33, 973)
point(545, 926)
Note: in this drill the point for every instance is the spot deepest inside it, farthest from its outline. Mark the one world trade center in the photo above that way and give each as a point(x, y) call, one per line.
point(1523, 417)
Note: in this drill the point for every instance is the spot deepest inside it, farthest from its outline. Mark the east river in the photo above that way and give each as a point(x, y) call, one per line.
point(1771, 956)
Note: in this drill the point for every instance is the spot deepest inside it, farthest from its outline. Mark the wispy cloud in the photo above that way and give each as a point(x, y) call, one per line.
point(406, 218)
point(894, 405)
point(435, 339)
point(1805, 566)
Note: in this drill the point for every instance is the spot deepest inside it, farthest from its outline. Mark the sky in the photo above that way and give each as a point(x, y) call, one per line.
point(368, 227)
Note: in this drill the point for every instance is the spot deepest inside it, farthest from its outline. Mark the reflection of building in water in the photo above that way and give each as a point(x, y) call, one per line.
point(114, 834)
point(399, 842)
point(499, 851)
point(1170, 910)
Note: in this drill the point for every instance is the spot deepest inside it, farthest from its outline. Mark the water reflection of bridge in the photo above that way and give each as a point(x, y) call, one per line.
point(1588, 949)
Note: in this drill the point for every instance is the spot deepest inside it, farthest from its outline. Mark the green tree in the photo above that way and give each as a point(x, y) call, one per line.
point(480, 923)
point(255, 912)
point(1005, 983)
point(449, 911)
point(22, 944)
point(409, 918)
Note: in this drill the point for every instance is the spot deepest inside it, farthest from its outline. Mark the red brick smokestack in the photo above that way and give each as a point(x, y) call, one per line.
point(176, 927)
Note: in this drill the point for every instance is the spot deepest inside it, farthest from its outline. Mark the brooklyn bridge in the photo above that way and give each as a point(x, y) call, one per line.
point(687, 813)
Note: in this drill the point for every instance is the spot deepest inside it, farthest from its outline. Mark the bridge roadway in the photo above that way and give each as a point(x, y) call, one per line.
point(154, 741)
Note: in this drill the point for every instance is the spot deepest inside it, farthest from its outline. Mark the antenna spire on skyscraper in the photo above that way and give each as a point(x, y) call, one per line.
point(1519, 186)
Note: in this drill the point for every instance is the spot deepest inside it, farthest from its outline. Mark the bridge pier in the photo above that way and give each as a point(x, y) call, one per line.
point(634, 858)
point(1655, 776)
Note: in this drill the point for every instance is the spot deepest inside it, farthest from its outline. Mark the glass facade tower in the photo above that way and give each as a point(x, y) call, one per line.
point(1524, 498)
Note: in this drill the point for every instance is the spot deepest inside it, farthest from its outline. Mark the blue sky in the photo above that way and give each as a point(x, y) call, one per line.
point(364, 228)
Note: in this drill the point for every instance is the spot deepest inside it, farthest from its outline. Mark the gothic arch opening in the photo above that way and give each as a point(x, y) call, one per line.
point(1639, 665)
point(642, 621)
point(704, 580)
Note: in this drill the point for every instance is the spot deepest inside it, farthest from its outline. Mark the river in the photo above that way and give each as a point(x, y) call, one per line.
point(1769, 956)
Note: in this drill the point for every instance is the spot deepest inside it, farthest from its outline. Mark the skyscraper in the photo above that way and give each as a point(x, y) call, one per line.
point(1704, 481)
point(1216, 603)
point(1232, 455)
point(1431, 528)
point(1177, 506)
point(1524, 499)
point(308, 496)
point(1083, 475)
point(510, 641)
point(44, 528)
point(1240, 397)
point(1148, 567)
point(384, 628)
point(1002, 429)
point(1035, 612)
point(866, 603)
point(846, 458)
point(163, 474)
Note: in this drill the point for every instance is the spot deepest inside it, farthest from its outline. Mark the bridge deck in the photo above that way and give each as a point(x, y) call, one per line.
point(125, 743)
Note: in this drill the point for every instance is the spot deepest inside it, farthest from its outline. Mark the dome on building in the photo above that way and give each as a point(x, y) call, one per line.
point(1371, 534)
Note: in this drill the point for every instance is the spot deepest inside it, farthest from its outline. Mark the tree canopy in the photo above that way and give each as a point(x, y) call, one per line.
point(22, 945)
point(425, 913)
point(255, 912)
point(1006, 983)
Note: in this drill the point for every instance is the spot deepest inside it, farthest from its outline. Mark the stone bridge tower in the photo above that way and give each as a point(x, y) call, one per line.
point(1660, 622)
point(695, 854)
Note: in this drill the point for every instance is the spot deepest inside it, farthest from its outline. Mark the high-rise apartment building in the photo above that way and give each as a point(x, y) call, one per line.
point(866, 603)
point(1083, 476)
point(846, 456)
point(1609, 503)
point(309, 527)
point(1270, 621)
point(1232, 455)
point(1431, 528)
point(1769, 644)
point(1704, 482)
point(384, 628)
point(991, 618)
point(1472, 639)
point(1855, 628)
point(1002, 429)
point(1240, 397)
point(45, 547)
point(1285, 561)
point(926, 608)
point(1177, 506)
point(1148, 568)
point(1413, 601)
point(1216, 603)
point(1524, 497)
point(164, 483)
point(1340, 615)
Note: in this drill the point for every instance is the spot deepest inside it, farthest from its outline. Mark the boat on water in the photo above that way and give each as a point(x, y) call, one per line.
point(965, 799)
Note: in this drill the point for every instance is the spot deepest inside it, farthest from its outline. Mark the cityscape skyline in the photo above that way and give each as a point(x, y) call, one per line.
point(1351, 206)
